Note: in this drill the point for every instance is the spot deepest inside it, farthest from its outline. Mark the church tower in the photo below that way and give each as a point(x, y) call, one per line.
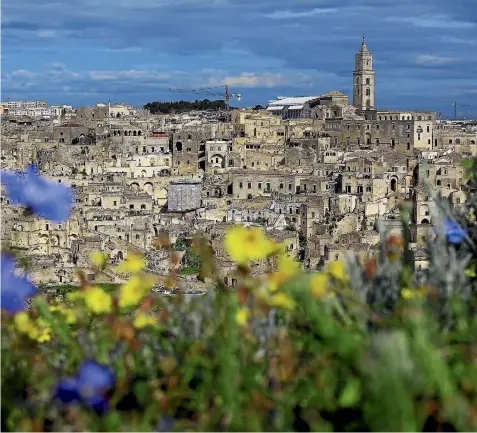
point(363, 78)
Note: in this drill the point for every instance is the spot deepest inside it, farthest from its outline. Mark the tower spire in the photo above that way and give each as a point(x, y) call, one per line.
point(364, 47)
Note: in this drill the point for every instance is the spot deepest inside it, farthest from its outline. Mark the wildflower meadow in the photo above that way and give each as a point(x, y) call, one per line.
point(374, 346)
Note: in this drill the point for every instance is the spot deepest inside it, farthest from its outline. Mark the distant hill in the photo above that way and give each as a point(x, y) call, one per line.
point(158, 107)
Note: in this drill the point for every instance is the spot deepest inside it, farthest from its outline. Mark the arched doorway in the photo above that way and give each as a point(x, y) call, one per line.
point(394, 184)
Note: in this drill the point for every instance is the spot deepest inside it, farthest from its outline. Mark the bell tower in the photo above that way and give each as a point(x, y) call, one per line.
point(363, 78)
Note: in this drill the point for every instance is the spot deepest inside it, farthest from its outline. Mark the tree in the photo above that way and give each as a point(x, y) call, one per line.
point(184, 106)
point(181, 243)
point(192, 259)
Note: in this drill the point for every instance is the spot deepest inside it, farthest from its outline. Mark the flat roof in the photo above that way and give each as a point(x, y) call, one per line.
point(299, 100)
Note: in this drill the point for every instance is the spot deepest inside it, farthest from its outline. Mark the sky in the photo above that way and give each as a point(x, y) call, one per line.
point(132, 51)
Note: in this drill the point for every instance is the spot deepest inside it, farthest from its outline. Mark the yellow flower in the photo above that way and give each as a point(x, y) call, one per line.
point(408, 294)
point(242, 317)
point(99, 259)
point(22, 322)
point(246, 244)
point(54, 308)
point(25, 325)
point(69, 315)
point(319, 285)
point(44, 335)
point(338, 271)
point(75, 296)
point(282, 300)
point(97, 300)
point(287, 268)
point(133, 264)
point(132, 292)
point(142, 320)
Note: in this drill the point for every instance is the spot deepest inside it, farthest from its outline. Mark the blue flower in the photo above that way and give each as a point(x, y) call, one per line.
point(88, 386)
point(454, 233)
point(43, 197)
point(14, 288)
point(95, 376)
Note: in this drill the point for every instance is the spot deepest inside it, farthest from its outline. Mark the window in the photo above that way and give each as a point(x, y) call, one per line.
point(314, 188)
point(428, 128)
point(408, 146)
point(418, 137)
point(249, 185)
point(268, 186)
point(313, 214)
point(348, 188)
point(290, 186)
point(367, 80)
point(450, 140)
point(115, 203)
point(143, 206)
point(240, 185)
point(259, 185)
point(368, 188)
point(47, 226)
point(368, 92)
point(131, 206)
point(281, 186)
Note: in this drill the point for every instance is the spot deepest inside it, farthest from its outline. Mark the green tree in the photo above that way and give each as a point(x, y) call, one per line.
point(181, 243)
point(192, 259)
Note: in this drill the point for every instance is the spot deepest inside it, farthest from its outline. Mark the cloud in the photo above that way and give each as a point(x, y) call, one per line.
point(46, 33)
point(251, 79)
point(432, 21)
point(131, 50)
point(288, 14)
point(131, 75)
point(435, 60)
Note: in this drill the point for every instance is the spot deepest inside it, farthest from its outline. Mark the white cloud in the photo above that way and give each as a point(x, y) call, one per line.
point(266, 80)
point(288, 14)
point(424, 59)
point(46, 33)
point(22, 74)
point(432, 22)
point(458, 41)
point(129, 75)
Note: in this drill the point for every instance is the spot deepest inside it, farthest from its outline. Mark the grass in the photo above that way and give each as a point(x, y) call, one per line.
point(64, 288)
point(188, 271)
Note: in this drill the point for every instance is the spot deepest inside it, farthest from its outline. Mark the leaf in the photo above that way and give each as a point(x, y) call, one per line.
point(350, 394)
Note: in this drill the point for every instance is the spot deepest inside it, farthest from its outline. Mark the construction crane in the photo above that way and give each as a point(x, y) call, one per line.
point(456, 105)
point(209, 91)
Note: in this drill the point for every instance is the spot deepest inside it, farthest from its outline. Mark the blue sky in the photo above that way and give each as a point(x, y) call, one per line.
point(88, 51)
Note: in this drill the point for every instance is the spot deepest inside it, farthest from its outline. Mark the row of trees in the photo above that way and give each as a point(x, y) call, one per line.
point(172, 107)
